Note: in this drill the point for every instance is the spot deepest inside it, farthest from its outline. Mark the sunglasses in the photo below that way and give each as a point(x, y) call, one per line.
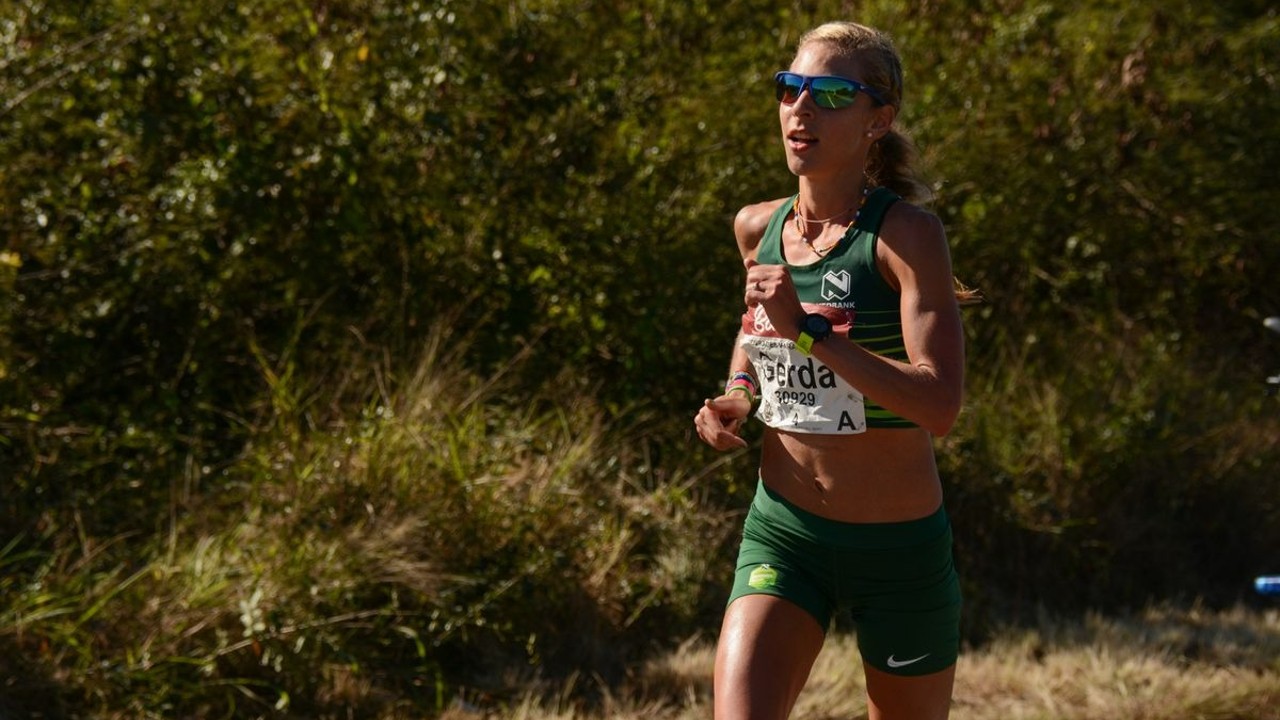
point(828, 91)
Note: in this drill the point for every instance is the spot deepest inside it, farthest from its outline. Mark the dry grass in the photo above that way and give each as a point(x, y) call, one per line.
point(1162, 665)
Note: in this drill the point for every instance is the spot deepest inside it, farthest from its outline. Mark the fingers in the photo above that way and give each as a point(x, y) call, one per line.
point(764, 282)
point(771, 287)
point(723, 440)
point(759, 284)
point(754, 279)
point(728, 441)
point(718, 422)
point(733, 406)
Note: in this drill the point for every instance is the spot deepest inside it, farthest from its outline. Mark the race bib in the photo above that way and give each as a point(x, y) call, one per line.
point(801, 394)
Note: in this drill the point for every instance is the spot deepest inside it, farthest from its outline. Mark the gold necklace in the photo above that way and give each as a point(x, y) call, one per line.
point(801, 221)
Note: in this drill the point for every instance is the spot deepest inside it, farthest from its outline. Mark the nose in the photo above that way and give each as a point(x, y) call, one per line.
point(804, 103)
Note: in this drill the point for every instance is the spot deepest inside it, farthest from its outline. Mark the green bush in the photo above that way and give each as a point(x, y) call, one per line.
point(231, 230)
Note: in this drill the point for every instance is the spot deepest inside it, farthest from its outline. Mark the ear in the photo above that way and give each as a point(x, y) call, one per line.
point(881, 120)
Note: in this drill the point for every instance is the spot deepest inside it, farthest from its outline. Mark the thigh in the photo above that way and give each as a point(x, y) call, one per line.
point(766, 650)
point(916, 697)
point(907, 608)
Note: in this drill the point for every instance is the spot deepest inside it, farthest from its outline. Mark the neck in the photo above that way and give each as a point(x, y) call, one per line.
point(823, 199)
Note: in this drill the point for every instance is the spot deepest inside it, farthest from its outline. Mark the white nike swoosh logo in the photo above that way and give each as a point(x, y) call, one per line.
point(903, 663)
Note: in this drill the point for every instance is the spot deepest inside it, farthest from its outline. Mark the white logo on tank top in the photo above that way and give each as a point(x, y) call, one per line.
point(836, 285)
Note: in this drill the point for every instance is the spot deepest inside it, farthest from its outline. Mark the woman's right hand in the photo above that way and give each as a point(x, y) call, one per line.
point(719, 420)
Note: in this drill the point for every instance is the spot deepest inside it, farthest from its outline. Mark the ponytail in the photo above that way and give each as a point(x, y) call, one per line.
point(893, 163)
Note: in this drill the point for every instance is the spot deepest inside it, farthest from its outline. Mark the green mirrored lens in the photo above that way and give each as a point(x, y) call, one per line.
point(833, 92)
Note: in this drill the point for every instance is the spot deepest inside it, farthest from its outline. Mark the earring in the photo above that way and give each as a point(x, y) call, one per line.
point(869, 133)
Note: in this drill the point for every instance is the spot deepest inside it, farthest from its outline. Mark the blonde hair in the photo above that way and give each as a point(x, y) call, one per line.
point(893, 160)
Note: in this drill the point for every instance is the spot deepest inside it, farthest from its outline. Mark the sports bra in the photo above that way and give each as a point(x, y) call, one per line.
point(799, 393)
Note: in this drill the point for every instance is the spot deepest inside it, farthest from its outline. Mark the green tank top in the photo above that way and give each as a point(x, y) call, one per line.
point(799, 393)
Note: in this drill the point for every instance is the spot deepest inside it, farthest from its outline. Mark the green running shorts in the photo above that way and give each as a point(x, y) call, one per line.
point(897, 580)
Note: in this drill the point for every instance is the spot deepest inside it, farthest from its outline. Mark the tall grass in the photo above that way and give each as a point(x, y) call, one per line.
point(382, 539)
point(1110, 474)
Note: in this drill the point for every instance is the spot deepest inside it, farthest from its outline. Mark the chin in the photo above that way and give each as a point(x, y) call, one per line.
point(799, 167)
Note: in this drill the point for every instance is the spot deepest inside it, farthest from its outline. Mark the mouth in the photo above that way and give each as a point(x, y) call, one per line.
point(799, 140)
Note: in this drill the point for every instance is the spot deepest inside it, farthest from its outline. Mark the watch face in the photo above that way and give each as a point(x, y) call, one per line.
point(817, 325)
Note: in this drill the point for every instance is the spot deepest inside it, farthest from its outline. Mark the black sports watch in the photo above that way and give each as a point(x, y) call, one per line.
point(814, 328)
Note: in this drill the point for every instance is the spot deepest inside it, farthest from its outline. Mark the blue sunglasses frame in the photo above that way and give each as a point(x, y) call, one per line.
point(828, 91)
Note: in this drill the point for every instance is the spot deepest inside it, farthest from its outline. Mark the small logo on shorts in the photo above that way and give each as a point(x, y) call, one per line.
point(893, 663)
point(763, 577)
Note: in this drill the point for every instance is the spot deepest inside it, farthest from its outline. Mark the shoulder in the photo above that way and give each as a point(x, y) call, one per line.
point(750, 223)
point(906, 222)
point(912, 241)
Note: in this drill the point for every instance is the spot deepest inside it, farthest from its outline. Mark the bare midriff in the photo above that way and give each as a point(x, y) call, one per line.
point(881, 475)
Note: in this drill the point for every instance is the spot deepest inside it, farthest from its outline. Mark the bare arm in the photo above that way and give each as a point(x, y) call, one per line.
point(720, 419)
point(748, 229)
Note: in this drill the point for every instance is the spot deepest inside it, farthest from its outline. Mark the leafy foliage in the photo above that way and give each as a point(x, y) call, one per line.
point(225, 223)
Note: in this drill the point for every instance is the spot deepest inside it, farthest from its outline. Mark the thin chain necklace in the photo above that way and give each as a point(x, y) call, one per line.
point(801, 221)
